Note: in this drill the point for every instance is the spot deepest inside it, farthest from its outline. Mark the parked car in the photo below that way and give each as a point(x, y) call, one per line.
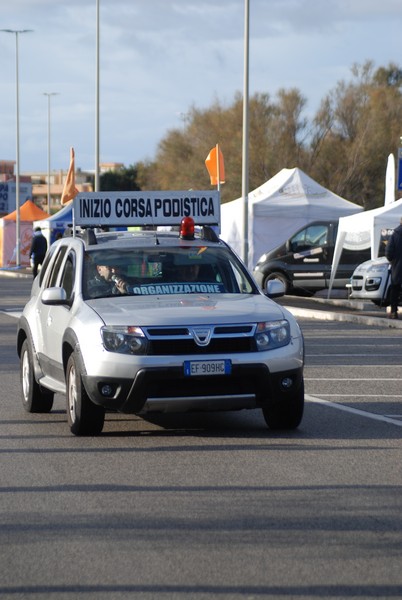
point(371, 281)
point(303, 263)
point(152, 338)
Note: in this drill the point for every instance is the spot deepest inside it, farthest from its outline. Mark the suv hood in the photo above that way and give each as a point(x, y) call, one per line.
point(374, 262)
point(194, 309)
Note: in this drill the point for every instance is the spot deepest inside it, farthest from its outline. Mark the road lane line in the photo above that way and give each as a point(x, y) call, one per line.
point(355, 411)
point(342, 354)
point(362, 395)
point(350, 366)
point(353, 379)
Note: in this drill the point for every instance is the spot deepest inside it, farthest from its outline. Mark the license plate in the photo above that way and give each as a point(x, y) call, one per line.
point(207, 367)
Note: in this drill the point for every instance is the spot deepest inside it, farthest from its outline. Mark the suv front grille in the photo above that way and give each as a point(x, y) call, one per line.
point(223, 339)
point(357, 283)
point(164, 347)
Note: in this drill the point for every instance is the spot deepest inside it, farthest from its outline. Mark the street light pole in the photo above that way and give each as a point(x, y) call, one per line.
point(48, 94)
point(16, 32)
point(245, 130)
point(97, 102)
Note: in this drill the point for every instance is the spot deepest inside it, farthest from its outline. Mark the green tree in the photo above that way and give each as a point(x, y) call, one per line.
point(356, 128)
point(124, 178)
point(276, 133)
point(344, 146)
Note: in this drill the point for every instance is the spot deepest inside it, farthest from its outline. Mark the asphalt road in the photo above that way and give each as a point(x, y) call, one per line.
point(211, 506)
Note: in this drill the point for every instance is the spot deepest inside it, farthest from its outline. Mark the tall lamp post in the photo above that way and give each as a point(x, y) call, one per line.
point(48, 94)
point(97, 102)
point(16, 32)
point(245, 129)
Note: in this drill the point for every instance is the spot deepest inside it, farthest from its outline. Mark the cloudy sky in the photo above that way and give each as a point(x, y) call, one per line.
point(160, 57)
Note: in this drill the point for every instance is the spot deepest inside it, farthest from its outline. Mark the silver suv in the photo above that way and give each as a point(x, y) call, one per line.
point(146, 321)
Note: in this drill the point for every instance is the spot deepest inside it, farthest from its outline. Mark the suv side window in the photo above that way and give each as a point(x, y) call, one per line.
point(52, 281)
point(68, 276)
point(312, 236)
point(42, 272)
point(242, 285)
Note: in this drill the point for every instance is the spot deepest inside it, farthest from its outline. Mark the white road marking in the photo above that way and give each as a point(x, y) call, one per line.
point(354, 366)
point(355, 411)
point(332, 355)
point(342, 345)
point(353, 379)
point(362, 395)
point(11, 313)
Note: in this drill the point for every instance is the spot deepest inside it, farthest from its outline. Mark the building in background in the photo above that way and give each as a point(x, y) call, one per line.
point(83, 183)
point(8, 187)
point(35, 185)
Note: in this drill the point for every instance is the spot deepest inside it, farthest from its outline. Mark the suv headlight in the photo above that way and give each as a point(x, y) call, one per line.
point(377, 269)
point(125, 340)
point(272, 334)
point(262, 259)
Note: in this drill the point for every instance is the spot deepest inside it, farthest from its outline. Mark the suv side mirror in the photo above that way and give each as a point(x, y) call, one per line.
point(54, 296)
point(275, 288)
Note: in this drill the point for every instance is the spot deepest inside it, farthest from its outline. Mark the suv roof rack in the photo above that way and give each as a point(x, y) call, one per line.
point(209, 234)
point(88, 233)
point(89, 237)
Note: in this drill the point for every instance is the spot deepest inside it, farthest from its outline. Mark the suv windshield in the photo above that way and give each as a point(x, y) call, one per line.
point(170, 270)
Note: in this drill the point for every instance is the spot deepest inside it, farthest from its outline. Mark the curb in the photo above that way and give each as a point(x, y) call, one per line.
point(328, 315)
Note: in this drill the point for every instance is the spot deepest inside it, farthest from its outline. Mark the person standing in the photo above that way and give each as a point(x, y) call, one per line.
point(393, 252)
point(38, 250)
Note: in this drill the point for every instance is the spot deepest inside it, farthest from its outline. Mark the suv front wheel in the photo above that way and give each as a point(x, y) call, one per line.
point(84, 417)
point(287, 412)
point(35, 399)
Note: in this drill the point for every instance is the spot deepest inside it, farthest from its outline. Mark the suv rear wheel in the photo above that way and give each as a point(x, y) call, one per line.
point(35, 399)
point(84, 417)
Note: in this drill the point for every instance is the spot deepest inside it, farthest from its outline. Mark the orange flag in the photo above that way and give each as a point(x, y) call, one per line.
point(216, 169)
point(69, 190)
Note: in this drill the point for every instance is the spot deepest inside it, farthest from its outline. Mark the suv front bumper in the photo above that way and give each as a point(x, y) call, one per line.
point(167, 389)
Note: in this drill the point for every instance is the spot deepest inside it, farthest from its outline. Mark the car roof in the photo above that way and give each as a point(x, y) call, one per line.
point(93, 239)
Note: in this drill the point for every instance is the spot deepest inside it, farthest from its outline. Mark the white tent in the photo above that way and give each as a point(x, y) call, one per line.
point(277, 209)
point(364, 230)
point(56, 223)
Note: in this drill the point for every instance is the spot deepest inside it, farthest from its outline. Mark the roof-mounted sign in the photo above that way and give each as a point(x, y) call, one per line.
point(146, 208)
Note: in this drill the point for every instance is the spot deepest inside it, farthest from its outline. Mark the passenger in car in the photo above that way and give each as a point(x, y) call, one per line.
point(175, 273)
point(188, 272)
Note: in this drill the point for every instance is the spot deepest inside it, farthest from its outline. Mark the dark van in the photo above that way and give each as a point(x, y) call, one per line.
point(304, 261)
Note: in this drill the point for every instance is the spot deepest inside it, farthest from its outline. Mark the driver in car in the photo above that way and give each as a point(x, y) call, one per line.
point(107, 281)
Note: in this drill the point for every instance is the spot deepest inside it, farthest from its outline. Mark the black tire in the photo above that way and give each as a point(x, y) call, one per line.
point(278, 275)
point(380, 303)
point(287, 413)
point(35, 398)
point(384, 302)
point(84, 417)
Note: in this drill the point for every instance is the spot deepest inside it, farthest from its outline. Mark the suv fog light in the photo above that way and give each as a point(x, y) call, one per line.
point(287, 383)
point(107, 390)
